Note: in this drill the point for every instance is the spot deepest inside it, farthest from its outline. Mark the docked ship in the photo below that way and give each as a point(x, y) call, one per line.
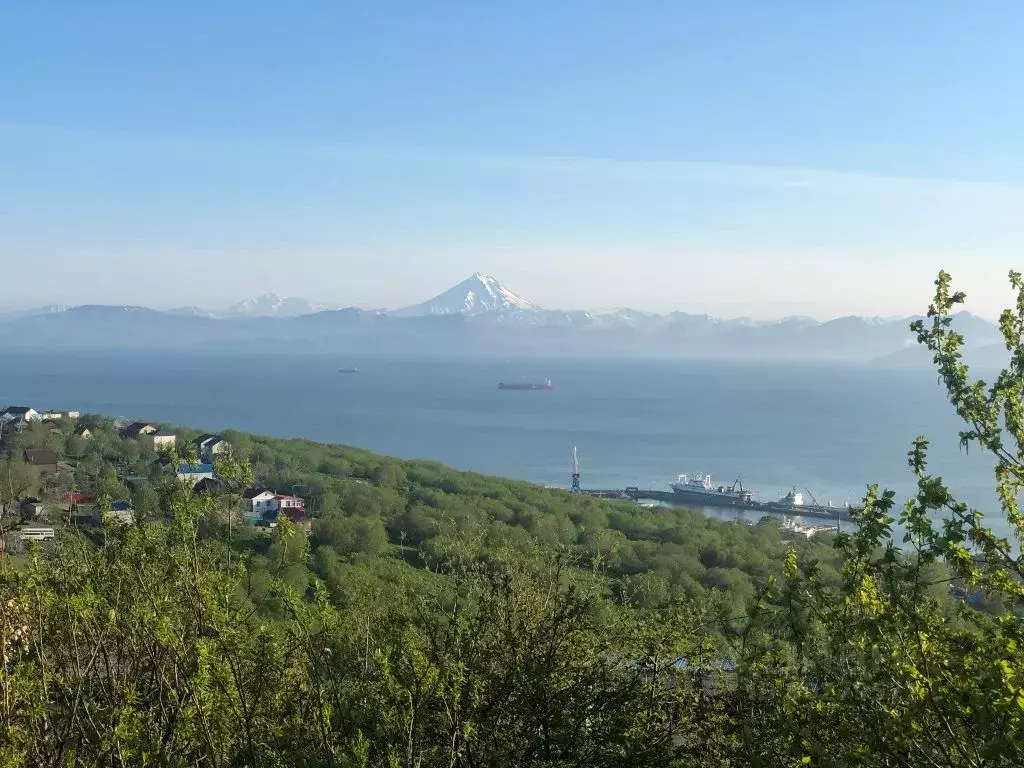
point(700, 488)
point(794, 503)
point(546, 384)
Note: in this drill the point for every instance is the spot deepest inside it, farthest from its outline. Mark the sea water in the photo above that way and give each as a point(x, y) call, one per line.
point(828, 429)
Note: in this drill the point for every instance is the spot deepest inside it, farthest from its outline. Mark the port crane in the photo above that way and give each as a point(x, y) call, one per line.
point(575, 472)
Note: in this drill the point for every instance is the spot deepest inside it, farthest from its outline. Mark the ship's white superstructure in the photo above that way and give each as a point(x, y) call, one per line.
point(701, 487)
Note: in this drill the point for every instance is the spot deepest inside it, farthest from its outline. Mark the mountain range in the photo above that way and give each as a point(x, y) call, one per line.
point(479, 316)
point(272, 305)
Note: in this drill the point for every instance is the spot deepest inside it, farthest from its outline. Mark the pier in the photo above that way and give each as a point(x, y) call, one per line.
point(741, 502)
point(634, 494)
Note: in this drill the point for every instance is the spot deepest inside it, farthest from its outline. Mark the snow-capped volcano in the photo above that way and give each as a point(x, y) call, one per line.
point(475, 295)
point(272, 305)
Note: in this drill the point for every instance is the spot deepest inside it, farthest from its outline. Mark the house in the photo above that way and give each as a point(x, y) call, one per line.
point(290, 503)
point(193, 473)
point(121, 512)
point(42, 459)
point(53, 425)
point(164, 440)
point(208, 486)
point(259, 504)
point(202, 444)
point(32, 509)
point(19, 414)
point(297, 516)
point(294, 514)
point(138, 429)
point(15, 417)
point(211, 446)
point(54, 414)
point(85, 515)
point(84, 432)
point(75, 498)
point(263, 505)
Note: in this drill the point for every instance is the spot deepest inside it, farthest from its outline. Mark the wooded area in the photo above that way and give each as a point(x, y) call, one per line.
point(433, 617)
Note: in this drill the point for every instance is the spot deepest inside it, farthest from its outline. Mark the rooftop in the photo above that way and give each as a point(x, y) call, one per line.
point(17, 410)
point(40, 456)
point(195, 469)
point(136, 428)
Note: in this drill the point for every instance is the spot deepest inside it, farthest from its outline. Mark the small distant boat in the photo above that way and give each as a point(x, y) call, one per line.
point(791, 525)
point(348, 370)
point(546, 384)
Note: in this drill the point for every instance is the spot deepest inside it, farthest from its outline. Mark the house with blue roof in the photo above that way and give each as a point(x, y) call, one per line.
point(121, 512)
point(193, 473)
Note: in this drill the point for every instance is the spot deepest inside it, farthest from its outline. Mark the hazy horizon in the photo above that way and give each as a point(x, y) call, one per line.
point(225, 309)
point(733, 160)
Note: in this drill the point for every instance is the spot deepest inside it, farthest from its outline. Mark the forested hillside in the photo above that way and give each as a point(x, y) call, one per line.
point(430, 617)
point(389, 519)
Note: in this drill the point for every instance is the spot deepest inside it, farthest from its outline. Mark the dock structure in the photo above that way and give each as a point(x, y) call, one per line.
point(724, 498)
point(635, 494)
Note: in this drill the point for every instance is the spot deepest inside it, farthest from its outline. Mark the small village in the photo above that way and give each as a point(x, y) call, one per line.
point(62, 468)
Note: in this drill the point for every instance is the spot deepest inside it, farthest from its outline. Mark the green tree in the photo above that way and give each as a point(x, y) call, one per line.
point(110, 488)
point(145, 500)
point(235, 476)
point(18, 481)
point(902, 676)
point(351, 535)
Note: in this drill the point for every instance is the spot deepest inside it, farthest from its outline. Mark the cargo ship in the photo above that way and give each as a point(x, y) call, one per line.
point(700, 488)
point(546, 384)
point(793, 503)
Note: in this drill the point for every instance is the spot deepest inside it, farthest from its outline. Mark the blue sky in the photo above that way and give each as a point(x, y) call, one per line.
point(732, 157)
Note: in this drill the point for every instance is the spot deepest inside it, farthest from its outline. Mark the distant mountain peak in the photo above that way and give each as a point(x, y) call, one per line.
point(274, 305)
point(477, 294)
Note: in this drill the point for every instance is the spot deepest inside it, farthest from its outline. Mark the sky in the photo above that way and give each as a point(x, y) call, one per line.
point(737, 158)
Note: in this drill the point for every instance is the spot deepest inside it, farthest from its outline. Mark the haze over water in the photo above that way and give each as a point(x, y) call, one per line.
point(831, 430)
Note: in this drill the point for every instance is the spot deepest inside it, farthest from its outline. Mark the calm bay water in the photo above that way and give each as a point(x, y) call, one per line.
point(828, 429)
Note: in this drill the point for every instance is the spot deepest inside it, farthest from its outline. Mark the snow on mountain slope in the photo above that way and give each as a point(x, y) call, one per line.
point(272, 305)
point(50, 309)
point(475, 295)
point(192, 312)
